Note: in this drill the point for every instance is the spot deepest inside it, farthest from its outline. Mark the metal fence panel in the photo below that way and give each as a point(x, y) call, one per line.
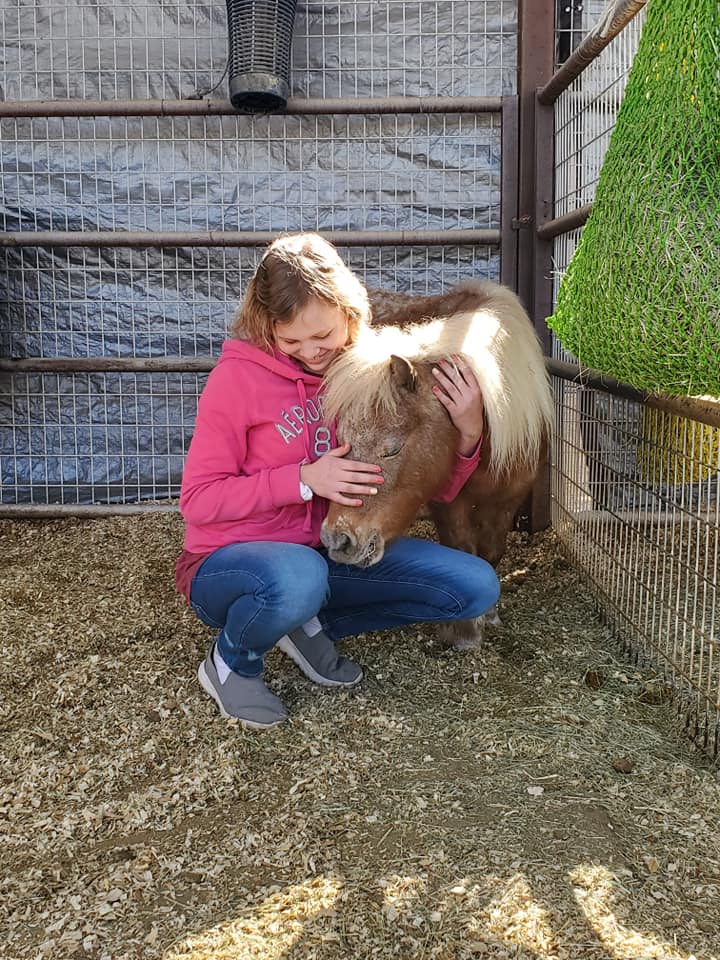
point(216, 173)
point(636, 492)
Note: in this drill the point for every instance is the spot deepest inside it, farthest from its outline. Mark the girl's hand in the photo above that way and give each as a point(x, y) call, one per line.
point(459, 392)
point(341, 480)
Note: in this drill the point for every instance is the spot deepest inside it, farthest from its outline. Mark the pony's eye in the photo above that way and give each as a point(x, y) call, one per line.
point(392, 452)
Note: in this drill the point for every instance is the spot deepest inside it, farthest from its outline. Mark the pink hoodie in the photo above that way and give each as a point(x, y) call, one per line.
point(259, 418)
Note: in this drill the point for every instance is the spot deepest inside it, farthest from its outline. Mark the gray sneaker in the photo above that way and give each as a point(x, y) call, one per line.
point(319, 660)
point(246, 698)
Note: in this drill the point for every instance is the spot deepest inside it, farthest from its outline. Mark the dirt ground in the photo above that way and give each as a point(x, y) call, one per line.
point(530, 799)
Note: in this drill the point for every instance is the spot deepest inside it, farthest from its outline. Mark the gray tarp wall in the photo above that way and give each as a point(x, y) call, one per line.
point(85, 438)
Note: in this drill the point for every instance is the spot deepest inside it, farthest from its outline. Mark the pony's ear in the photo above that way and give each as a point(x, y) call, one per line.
point(403, 373)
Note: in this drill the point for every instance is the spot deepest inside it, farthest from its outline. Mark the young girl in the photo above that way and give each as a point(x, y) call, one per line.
point(261, 468)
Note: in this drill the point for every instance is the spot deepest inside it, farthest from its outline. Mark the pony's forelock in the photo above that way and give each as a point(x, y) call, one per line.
point(359, 380)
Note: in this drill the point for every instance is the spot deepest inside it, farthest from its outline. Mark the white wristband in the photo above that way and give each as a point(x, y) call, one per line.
point(305, 491)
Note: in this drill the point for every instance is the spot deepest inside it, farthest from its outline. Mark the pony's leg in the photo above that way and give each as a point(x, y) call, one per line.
point(454, 522)
point(478, 522)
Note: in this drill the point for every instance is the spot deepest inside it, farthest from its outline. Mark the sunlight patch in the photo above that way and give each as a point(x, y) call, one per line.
point(595, 889)
point(516, 918)
point(266, 931)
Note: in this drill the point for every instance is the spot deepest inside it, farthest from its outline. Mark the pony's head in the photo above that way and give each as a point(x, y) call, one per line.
point(380, 393)
point(389, 415)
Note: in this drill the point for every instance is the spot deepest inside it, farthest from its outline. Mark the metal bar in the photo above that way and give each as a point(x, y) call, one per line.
point(616, 18)
point(535, 58)
point(107, 365)
point(691, 408)
point(220, 108)
point(564, 224)
point(509, 193)
point(541, 498)
point(243, 238)
point(536, 40)
point(48, 511)
point(542, 246)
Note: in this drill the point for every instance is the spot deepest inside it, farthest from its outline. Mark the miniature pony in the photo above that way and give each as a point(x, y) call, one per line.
point(380, 392)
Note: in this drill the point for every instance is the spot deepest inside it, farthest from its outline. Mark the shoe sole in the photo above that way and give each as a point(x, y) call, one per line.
point(289, 649)
point(210, 690)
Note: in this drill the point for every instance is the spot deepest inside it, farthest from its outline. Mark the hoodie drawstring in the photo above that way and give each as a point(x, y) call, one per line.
point(302, 394)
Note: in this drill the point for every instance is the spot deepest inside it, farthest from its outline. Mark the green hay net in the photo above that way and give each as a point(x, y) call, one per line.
point(641, 297)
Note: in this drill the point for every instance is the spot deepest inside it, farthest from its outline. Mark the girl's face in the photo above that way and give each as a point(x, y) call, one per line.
point(314, 336)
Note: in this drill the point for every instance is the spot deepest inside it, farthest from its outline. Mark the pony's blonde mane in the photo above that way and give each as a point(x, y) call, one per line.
point(498, 341)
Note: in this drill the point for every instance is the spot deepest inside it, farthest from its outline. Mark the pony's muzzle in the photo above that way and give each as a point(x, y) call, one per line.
point(338, 544)
point(343, 546)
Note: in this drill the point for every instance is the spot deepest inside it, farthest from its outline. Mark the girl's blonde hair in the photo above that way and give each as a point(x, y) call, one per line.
point(294, 269)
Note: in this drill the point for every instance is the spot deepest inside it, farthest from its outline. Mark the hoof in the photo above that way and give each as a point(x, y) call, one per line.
point(492, 618)
point(467, 643)
point(463, 634)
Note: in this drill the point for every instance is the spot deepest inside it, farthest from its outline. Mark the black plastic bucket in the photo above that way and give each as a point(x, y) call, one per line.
point(260, 38)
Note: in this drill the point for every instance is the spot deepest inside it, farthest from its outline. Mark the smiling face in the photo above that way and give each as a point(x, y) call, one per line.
point(314, 336)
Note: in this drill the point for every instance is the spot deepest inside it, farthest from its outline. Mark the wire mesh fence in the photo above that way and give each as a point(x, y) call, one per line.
point(569, 31)
point(175, 50)
point(108, 437)
point(251, 173)
point(405, 173)
point(79, 438)
point(636, 492)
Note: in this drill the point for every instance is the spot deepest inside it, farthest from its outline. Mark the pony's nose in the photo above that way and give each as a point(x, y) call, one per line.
point(337, 542)
point(343, 543)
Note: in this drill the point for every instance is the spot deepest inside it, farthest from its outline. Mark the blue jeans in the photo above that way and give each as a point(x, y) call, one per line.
point(253, 593)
